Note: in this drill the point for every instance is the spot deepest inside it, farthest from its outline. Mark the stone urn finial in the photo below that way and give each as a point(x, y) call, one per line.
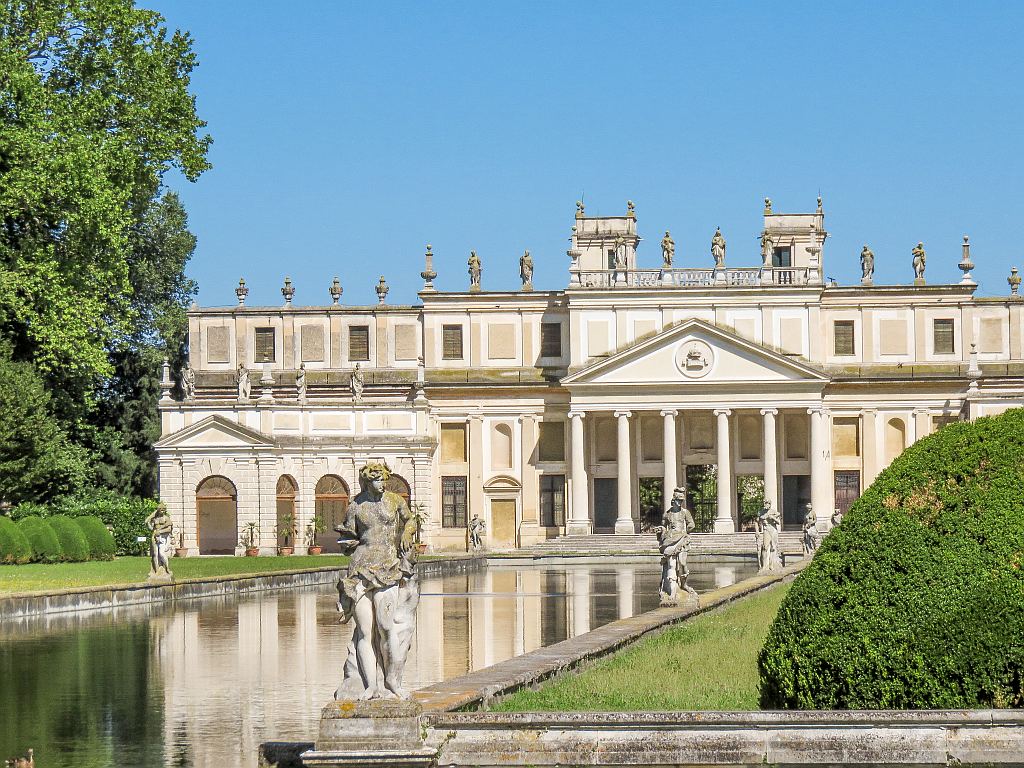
point(630, 209)
point(820, 209)
point(1014, 281)
point(580, 210)
point(428, 274)
point(382, 290)
point(241, 291)
point(767, 206)
point(966, 265)
point(288, 291)
point(335, 290)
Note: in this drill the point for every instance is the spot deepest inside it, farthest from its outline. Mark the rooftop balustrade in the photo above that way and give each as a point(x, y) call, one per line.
point(685, 277)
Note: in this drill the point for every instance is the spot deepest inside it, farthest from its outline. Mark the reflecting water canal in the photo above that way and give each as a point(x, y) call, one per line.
point(204, 682)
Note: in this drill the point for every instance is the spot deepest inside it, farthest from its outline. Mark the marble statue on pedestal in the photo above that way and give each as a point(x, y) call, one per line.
point(766, 249)
point(867, 265)
point(668, 250)
point(355, 382)
point(300, 383)
point(718, 248)
point(919, 261)
point(188, 382)
point(526, 270)
point(811, 539)
point(244, 384)
point(768, 526)
point(674, 542)
point(161, 544)
point(380, 589)
point(477, 527)
point(475, 270)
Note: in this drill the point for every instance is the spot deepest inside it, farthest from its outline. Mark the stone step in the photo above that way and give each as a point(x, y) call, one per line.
point(723, 543)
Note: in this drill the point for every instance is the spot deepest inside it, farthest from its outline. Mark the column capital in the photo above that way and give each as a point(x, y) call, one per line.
point(769, 411)
point(869, 411)
point(623, 414)
point(819, 410)
point(921, 410)
point(475, 417)
point(722, 412)
point(670, 412)
point(576, 414)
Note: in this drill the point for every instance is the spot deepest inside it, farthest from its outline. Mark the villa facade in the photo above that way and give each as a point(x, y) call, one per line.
point(567, 411)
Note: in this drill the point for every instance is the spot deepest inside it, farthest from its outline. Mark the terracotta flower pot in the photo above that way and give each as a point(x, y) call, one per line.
point(252, 551)
point(285, 550)
point(316, 549)
point(180, 551)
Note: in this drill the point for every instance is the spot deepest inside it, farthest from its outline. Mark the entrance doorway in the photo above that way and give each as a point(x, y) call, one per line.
point(503, 524)
point(606, 504)
point(217, 516)
point(796, 495)
point(702, 495)
point(652, 506)
point(847, 487)
point(287, 490)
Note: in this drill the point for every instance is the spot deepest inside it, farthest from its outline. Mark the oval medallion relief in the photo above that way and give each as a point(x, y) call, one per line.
point(695, 358)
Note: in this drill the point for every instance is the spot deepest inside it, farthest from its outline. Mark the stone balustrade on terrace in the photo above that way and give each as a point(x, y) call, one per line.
point(685, 277)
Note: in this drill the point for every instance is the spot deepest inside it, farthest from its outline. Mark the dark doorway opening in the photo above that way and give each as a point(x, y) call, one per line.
point(652, 506)
point(606, 504)
point(702, 495)
point(796, 495)
point(847, 487)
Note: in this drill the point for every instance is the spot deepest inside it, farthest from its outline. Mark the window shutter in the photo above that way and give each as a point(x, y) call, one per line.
point(943, 337)
point(451, 342)
point(264, 345)
point(843, 333)
point(550, 339)
point(359, 343)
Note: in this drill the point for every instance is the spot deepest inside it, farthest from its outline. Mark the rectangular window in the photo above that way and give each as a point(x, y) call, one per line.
point(453, 502)
point(453, 443)
point(552, 500)
point(551, 446)
point(842, 332)
point(359, 343)
point(451, 342)
point(550, 339)
point(264, 345)
point(942, 333)
point(782, 257)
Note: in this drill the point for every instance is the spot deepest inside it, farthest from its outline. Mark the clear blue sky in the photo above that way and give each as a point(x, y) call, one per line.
point(350, 134)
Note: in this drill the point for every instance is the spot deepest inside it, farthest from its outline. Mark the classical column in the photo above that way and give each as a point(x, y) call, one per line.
point(771, 459)
point(821, 493)
point(579, 510)
point(869, 443)
point(671, 471)
point(723, 518)
point(922, 423)
point(624, 512)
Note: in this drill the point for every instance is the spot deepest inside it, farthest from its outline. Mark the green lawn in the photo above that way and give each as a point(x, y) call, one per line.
point(127, 570)
point(707, 663)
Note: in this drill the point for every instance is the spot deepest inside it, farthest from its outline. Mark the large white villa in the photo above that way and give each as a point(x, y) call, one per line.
point(553, 412)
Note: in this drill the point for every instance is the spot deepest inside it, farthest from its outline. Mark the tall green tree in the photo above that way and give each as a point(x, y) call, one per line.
point(94, 109)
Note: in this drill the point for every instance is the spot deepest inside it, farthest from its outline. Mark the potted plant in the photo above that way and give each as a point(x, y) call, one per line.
point(314, 528)
point(250, 535)
point(181, 550)
point(286, 530)
point(420, 518)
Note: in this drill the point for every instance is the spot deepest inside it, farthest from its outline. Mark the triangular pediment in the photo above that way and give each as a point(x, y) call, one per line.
point(216, 432)
point(698, 353)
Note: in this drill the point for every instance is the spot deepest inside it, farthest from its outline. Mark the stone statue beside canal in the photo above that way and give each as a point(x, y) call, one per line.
point(476, 532)
point(380, 589)
point(768, 526)
point(810, 528)
point(674, 542)
point(161, 544)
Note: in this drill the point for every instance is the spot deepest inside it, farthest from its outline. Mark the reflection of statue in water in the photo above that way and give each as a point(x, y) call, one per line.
point(476, 532)
point(811, 540)
point(919, 261)
point(718, 248)
point(674, 543)
point(380, 588)
point(161, 543)
point(768, 525)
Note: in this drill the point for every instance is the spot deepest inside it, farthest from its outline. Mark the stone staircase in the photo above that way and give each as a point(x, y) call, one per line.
point(790, 543)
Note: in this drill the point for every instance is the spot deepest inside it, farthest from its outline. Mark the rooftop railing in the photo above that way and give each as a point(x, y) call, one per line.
point(693, 278)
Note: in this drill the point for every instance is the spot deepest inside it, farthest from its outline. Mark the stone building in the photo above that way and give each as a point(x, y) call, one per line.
point(567, 411)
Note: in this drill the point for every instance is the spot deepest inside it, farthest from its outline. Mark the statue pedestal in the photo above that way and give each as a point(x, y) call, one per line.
point(376, 732)
point(918, 281)
point(160, 578)
point(719, 276)
point(867, 282)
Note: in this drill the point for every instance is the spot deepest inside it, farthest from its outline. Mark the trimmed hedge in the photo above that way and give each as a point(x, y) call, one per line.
point(41, 537)
point(72, 540)
point(125, 514)
point(14, 547)
point(917, 599)
point(101, 543)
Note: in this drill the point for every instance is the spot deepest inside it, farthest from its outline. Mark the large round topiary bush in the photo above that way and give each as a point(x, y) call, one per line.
point(917, 599)
point(101, 542)
point(72, 540)
point(44, 542)
point(14, 547)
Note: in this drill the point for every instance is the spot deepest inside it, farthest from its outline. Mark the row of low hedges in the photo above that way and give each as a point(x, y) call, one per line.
point(125, 515)
point(57, 538)
point(916, 601)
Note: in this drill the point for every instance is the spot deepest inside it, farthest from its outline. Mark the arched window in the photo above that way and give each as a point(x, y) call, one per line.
point(287, 490)
point(217, 516)
point(895, 438)
point(501, 447)
point(330, 502)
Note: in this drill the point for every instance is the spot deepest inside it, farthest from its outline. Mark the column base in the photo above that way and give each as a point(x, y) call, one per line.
point(578, 528)
point(724, 525)
point(625, 527)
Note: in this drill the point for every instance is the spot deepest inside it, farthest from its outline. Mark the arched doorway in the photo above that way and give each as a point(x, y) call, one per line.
point(331, 501)
point(398, 484)
point(287, 490)
point(217, 516)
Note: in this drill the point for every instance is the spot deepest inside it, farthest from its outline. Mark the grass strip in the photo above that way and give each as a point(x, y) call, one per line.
point(706, 663)
point(37, 577)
